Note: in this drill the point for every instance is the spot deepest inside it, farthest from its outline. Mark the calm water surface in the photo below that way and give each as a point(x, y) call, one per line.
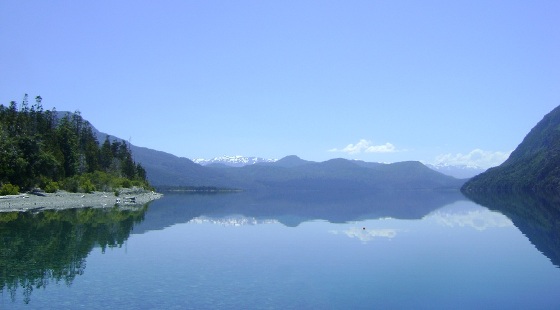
point(285, 251)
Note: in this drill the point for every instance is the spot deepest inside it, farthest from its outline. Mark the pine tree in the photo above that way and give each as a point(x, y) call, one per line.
point(68, 146)
point(105, 155)
point(37, 148)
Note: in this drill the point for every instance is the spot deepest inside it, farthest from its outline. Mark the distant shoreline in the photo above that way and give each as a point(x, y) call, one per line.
point(66, 200)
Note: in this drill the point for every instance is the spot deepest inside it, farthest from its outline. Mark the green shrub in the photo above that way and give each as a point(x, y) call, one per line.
point(71, 184)
point(86, 186)
point(9, 189)
point(126, 183)
point(51, 187)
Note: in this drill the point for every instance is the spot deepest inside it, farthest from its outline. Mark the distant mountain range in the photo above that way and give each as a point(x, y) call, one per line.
point(291, 172)
point(533, 166)
point(457, 171)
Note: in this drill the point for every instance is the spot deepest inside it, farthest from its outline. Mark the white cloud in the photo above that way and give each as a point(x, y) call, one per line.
point(476, 157)
point(367, 147)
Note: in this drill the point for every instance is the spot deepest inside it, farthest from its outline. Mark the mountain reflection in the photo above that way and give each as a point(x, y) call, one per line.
point(292, 208)
point(52, 246)
point(536, 216)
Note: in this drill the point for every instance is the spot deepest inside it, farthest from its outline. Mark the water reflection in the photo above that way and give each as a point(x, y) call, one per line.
point(52, 246)
point(536, 216)
point(469, 216)
point(235, 220)
point(218, 251)
point(366, 235)
point(292, 208)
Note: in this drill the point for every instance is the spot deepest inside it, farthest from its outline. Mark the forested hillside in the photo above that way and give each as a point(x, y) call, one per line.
point(39, 149)
point(534, 165)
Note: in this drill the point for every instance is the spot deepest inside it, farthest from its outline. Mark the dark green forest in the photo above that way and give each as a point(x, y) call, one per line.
point(53, 150)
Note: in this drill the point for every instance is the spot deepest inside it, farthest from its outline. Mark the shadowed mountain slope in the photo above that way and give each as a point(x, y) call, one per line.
point(291, 172)
point(534, 165)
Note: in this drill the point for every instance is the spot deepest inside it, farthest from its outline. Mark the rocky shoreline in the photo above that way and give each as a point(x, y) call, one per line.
point(38, 201)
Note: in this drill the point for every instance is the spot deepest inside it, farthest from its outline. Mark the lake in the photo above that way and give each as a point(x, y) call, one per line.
point(287, 250)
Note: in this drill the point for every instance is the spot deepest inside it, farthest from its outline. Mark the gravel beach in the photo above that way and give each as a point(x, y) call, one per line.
point(66, 200)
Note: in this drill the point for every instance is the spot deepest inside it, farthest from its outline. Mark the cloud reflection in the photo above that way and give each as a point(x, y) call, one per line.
point(367, 235)
point(231, 221)
point(477, 219)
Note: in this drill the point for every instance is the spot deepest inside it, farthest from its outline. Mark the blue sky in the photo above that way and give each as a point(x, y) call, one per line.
point(386, 81)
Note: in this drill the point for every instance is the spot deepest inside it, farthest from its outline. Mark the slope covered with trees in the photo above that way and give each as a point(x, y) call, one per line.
point(533, 166)
point(39, 148)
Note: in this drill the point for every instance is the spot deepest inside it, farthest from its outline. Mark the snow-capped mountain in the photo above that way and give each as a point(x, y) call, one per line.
point(457, 171)
point(233, 161)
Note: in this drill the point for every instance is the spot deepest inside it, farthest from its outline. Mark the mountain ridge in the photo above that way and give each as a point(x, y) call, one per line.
point(290, 172)
point(457, 171)
point(533, 166)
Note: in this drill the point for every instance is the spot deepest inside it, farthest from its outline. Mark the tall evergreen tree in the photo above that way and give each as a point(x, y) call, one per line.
point(37, 148)
point(105, 155)
point(68, 145)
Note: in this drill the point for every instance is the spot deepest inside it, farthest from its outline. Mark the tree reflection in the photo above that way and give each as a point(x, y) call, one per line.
point(536, 216)
point(52, 246)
